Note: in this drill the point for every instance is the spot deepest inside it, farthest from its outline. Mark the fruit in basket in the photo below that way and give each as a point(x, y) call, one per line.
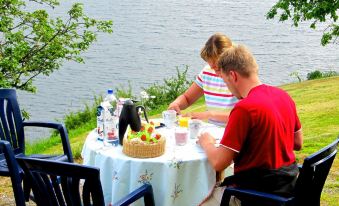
point(146, 134)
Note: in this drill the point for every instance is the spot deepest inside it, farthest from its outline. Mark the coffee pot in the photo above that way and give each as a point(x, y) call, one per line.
point(130, 116)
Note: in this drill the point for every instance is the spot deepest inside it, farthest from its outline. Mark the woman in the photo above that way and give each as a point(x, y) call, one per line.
point(218, 98)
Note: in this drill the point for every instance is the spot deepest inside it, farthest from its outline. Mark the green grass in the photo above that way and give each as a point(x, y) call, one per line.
point(318, 108)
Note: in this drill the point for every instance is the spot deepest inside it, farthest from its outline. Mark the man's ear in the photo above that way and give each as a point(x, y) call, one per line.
point(234, 75)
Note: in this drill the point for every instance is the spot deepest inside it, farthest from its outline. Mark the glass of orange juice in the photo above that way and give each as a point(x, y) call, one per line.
point(183, 121)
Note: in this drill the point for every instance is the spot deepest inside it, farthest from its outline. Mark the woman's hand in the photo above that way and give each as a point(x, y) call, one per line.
point(198, 115)
point(221, 116)
point(174, 106)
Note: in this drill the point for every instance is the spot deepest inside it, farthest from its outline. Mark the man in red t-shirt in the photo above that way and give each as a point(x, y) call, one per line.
point(262, 131)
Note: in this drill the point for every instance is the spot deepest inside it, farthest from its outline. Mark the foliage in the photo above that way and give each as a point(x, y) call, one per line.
point(121, 92)
point(32, 43)
point(169, 91)
point(314, 75)
point(77, 119)
point(318, 74)
point(162, 94)
point(296, 75)
point(310, 10)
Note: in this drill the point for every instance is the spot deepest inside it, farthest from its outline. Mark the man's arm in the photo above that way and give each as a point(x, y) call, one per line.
point(298, 140)
point(219, 157)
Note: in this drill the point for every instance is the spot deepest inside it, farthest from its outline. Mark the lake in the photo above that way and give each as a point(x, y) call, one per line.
point(152, 37)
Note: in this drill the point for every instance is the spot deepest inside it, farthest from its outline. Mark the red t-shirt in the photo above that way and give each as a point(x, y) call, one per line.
point(261, 129)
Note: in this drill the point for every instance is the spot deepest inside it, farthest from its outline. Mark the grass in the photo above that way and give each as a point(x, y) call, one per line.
point(318, 108)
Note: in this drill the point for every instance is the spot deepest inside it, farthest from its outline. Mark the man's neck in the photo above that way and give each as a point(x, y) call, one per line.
point(248, 84)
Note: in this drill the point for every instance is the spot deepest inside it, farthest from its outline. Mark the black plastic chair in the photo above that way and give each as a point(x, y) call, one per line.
point(45, 176)
point(14, 171)
point(12, 130)
point(310, 183)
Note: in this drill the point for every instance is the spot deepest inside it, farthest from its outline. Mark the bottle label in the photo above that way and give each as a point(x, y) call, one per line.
point(100, 122)
point(110, 130)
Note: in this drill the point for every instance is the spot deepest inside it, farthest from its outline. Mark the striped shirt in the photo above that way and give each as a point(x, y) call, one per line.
point(217, 95)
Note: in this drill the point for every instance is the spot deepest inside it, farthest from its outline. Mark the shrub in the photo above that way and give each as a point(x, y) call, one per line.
point(330, 74)
point(314, 75)
point(318, 74)
point(167, 92)
point(77, 119)
point(296, 75)
point(121, 92)
point(161, 94)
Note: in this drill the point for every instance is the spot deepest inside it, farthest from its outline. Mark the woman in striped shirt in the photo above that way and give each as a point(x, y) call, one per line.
point(219, 100)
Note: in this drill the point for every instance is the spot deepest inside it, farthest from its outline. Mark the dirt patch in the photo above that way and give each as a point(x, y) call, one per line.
point(6, 193)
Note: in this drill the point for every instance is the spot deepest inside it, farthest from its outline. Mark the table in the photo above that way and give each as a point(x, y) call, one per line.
point(182, 176)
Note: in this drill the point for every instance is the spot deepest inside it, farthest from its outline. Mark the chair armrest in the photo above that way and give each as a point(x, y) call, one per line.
point(260, 198)
point(15, 171)
point(145, 191)
point(62, 131)
point(51, 125)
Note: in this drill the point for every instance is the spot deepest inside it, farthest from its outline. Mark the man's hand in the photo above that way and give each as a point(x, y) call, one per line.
point(205, 139)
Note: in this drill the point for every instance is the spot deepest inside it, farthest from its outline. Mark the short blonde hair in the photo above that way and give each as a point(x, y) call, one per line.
point(215, 46)
point(240, 59)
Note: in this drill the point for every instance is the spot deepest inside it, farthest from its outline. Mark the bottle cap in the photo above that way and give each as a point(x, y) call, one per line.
point(110, 91)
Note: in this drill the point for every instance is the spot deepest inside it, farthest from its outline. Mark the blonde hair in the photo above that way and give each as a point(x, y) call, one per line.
point(240, 59)
point(215, 46)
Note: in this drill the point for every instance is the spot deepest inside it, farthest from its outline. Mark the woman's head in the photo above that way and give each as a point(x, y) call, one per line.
point(215, 46)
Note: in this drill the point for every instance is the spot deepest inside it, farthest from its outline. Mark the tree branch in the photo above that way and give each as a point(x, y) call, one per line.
point(32, 52)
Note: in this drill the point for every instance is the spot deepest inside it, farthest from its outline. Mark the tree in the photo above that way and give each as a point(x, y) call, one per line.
point(32, 43)
point(310, 10)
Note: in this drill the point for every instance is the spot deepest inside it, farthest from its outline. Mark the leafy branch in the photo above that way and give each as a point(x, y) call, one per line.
point(32, 43)
point(316, 11)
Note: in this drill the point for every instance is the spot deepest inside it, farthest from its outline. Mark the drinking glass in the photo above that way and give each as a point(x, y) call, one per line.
point(194, 126)
point(170, 117)
point(181, 136)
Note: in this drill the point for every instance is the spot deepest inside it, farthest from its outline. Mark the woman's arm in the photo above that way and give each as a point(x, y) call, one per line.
point(221, 116)
point(185, 100)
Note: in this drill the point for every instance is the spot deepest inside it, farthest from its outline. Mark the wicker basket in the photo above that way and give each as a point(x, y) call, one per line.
point(142, 150)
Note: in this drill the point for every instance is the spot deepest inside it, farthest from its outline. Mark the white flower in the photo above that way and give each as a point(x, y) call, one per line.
point(144, 95)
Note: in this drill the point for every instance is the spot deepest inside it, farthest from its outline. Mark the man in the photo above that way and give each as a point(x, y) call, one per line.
point(262, 131)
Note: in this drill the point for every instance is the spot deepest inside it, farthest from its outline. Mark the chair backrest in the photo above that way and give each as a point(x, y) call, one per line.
point(58, 183)
point(14, 171)
point(313, 175)
point(11, 123)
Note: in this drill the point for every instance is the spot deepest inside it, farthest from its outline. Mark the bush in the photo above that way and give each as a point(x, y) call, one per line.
point(318, 74)
point(121, 92)
point(165, 93)
point(161, 94)
point(330, 74)
point(77, 119)
point(314, 75)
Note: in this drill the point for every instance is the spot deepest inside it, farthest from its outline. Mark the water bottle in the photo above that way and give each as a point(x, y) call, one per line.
point(110, 119)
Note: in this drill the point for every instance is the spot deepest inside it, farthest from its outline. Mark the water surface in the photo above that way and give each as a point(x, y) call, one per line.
point(152, 37)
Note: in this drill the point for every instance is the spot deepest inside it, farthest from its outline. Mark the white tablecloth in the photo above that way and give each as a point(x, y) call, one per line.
point(182, 176)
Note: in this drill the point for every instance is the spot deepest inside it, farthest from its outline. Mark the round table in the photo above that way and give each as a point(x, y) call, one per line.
point(182, 176)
